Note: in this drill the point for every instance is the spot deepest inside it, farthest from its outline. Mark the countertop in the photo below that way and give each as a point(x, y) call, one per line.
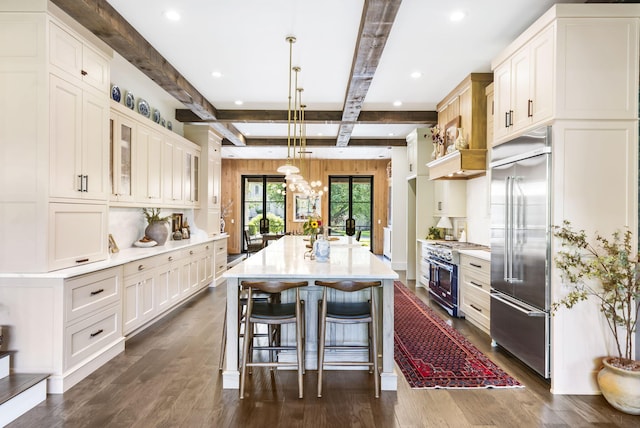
point(484, 254)
point(125, 255)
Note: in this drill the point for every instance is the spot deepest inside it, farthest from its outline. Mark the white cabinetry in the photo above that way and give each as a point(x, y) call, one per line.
point(122, 136)
point(57, 154)
point(450, 198)
point(422, 269)
point(475, 285)
point(554, 70)
point(525, 85)
point(419, 148)
point(208, 216)
point(64, 326)
point(148, 165)
point(140, 287)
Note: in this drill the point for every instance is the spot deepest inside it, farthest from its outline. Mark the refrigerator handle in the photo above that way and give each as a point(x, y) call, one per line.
point(527, 312)
point(506, 229)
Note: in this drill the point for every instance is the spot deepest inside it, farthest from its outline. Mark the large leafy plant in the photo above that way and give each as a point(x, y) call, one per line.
point(614, 266)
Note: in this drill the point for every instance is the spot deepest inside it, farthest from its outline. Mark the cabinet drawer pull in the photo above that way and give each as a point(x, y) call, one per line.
point(170, 258)
point(191, 253)
point(530, 108)
point(206, 247)
point(93, 293)
point(506, 119)
point(475, 307)
point(476, 265)
point(82, 260)
point(141, 267)
point(475, 283)
point(84, 73)
point(97, 333)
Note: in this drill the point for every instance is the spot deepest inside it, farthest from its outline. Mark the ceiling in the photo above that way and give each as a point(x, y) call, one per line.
point(356, 57)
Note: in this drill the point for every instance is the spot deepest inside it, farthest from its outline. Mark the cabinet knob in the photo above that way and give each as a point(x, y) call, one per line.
point(83, 72)
point(170, 258)
point(191, 252)
point(140, 267)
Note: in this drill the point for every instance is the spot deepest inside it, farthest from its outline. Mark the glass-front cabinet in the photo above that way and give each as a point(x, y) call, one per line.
point(122, 132)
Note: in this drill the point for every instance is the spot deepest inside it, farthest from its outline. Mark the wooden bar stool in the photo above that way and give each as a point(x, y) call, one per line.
point(272, 314)
point(349, 313)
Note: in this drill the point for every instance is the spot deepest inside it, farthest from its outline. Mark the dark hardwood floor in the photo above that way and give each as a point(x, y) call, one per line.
point(168, 377)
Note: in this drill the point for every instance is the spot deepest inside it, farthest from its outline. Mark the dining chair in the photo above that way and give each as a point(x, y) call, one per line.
point(272, 314)
point(253, 246)
point(349, 313)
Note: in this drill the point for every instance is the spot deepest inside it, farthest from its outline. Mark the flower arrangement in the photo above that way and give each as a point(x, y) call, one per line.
point(437, 136)
point(312, 226)
point(612, 263)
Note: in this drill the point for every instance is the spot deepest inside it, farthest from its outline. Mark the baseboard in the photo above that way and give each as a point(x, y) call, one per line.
point(59, 384)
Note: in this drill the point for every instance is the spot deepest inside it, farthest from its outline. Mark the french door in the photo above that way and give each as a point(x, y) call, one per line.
point(263, 197)
point(351, 198)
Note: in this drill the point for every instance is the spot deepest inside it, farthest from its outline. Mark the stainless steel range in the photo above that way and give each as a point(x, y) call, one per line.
point(443, 259)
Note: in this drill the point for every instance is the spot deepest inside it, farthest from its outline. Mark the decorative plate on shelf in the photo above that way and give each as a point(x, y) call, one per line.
point(162, 122)
point(143, 108)
point(130, 100)
point(145, 244)
point(116, 95)
point(156, 116)
point(169, 125)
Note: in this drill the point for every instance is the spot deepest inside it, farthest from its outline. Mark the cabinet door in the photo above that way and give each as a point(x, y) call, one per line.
point(65, 132)
point(122, 145)
point(542, 53)
point(502, 100)
point(148, 165)
point(520, 100)
point(77, 234)
point(411, 158)
point(216, 173)
point(95, 69)
point(450, 198)
point(65, 52)
point(139, 304)
point(168, 283)
point(95, 147)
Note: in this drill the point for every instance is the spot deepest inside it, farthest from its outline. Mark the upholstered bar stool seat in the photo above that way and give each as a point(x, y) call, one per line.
point(349, 313)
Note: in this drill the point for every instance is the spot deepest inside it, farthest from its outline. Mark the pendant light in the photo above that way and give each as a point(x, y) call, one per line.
point(288, 168)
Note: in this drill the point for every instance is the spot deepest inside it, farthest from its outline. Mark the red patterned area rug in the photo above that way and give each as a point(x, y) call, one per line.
point(432, 354)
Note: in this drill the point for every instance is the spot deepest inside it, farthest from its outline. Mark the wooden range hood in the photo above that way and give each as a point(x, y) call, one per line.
point(465, 107)
point(461, 164)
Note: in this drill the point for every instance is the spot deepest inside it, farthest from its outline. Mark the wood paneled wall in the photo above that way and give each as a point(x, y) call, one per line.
point(320, 169)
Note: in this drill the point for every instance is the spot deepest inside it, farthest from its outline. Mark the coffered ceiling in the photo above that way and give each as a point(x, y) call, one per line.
point(371, 70)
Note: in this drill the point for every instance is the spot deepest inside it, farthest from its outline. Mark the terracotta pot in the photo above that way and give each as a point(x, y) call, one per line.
point(158, 232)
point(621, 388)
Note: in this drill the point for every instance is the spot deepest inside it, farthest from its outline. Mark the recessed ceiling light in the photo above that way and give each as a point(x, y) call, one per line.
point(416, 75)
point(172, 15)
point(320, 134)
point(216, 74)
point(238, 102)
point(457, 15)
point(397, 103)
point(391, 134)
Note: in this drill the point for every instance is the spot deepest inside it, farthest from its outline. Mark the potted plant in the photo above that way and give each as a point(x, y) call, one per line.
point(156, 229)
point(607, 271)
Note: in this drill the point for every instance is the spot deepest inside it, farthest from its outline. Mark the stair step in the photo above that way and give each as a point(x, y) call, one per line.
point(14, 384)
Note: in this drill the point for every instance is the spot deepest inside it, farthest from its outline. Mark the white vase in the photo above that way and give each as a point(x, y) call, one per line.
point(460, 142)
point(321, 249)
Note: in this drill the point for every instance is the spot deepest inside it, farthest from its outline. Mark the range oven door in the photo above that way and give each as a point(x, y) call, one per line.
point(442, 285)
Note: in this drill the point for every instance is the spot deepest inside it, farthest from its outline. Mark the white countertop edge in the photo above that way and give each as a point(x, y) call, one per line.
point(480, 254)
point(125, 255)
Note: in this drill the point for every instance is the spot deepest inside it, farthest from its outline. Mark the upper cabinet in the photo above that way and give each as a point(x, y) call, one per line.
point(419, 148)
point(463, 110)
point(556, 69)
point(208, 216)
point(150, 165)
point(55, 184)
point(76, 60)
point(524, 84)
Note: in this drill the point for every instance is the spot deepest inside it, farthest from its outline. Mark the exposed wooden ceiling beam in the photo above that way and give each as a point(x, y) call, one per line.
point(322, 116)
point(104, 21)
point(326, 142)
point(377, 19)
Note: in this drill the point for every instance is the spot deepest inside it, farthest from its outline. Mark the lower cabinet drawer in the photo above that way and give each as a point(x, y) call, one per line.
point(88, 293)
point(476, 306)
point(92, 334)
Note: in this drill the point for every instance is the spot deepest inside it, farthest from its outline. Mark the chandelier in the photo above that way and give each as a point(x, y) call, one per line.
point(288, 168)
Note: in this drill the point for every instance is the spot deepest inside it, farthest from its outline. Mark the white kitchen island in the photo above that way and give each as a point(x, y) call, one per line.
point(285, 260)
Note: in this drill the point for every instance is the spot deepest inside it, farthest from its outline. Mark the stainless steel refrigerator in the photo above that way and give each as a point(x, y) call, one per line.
point(520, 247)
